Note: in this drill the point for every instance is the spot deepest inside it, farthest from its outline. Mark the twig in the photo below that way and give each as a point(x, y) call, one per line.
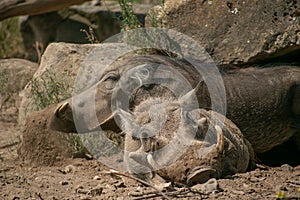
point(114, 172)
point(173, 194)
point(39, 196)
point(189, 188)
point(9, 145)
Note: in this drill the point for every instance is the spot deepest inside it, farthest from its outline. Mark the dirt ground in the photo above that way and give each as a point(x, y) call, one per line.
point(80, 178)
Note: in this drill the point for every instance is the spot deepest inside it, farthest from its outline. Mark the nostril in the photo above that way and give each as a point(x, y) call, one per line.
point(144, 135)
point(81, 104)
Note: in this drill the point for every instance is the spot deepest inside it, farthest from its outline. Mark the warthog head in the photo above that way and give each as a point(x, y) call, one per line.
point(133, 79)
point(186, 146)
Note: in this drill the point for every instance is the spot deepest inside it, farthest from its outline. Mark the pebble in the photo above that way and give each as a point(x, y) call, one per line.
point(164, 186)
point(287, 167)
point(63, 182)
point(209, 187)
point(280, 188)
point(85, 198)
point(97, 191)
point(68, 169)
point(111, 187)
point(238, 192)
point(97, 178)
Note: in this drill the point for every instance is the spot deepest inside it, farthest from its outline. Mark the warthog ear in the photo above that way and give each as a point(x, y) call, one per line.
point(127, 122)
point(109, 123)
point(189, 101)
point(62, 119)
point(63, 110)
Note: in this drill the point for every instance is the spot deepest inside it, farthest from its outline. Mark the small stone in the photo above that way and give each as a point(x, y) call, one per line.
point(139, 189)
point(85, 198)
point(120, 184)
point(111, 187)
point(287, 167)
point(81, 191)
point(97, 178)
point(297, 168)
point(238, 192)
point(164, 186)
point(67, 169)
point(280, 188)
point(63, 182)
point(209, 187)
point(96, 191)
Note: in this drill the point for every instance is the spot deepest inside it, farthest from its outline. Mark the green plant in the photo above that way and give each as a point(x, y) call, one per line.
point(129, 19)
point(3, 80)
point(47, 90)
point(10, 39)
point(142, 37)
point(280, 195)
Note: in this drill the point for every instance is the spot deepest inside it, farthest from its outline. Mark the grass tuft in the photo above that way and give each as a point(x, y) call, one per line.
point(11, 44)
point(47, 90)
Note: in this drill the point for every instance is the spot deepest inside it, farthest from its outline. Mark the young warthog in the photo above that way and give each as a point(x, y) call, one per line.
point(162, 139)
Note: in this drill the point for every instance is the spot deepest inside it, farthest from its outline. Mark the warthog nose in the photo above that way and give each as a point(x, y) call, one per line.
point(81, 104)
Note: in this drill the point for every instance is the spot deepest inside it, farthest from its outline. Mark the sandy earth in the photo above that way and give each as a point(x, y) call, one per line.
point(79, 178)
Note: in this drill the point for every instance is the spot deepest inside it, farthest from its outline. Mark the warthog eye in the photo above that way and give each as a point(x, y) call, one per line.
point(111, 80)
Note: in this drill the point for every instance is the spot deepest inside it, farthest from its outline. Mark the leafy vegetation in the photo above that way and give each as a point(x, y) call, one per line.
point(10, 39)
point(47, 90)
point(129, 19)
point(3, 80)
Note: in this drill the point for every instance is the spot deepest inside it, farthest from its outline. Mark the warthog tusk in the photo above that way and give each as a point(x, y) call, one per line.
point(63, 107)
point(220, 143)
point(152, 162)
point(202, 121)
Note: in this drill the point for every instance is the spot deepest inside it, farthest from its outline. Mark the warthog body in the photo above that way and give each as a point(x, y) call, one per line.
point(263, 102)
point(179, 146)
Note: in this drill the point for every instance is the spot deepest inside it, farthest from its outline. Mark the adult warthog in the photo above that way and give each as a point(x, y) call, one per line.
point(264, 102)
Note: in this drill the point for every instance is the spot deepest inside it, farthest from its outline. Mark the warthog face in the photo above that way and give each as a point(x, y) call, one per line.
point(180, 145)
point(94, 108)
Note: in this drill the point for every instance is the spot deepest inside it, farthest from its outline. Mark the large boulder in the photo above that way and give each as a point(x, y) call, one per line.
point(58, 69)
point(14, 75)
point(237, 31)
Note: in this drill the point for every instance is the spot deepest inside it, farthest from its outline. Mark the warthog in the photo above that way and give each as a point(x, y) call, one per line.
point(178, 145)
point(264, 102)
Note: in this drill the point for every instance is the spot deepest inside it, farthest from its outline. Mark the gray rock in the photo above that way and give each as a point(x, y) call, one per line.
point(59, 64)
point(237, 32)
point(14, 75)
